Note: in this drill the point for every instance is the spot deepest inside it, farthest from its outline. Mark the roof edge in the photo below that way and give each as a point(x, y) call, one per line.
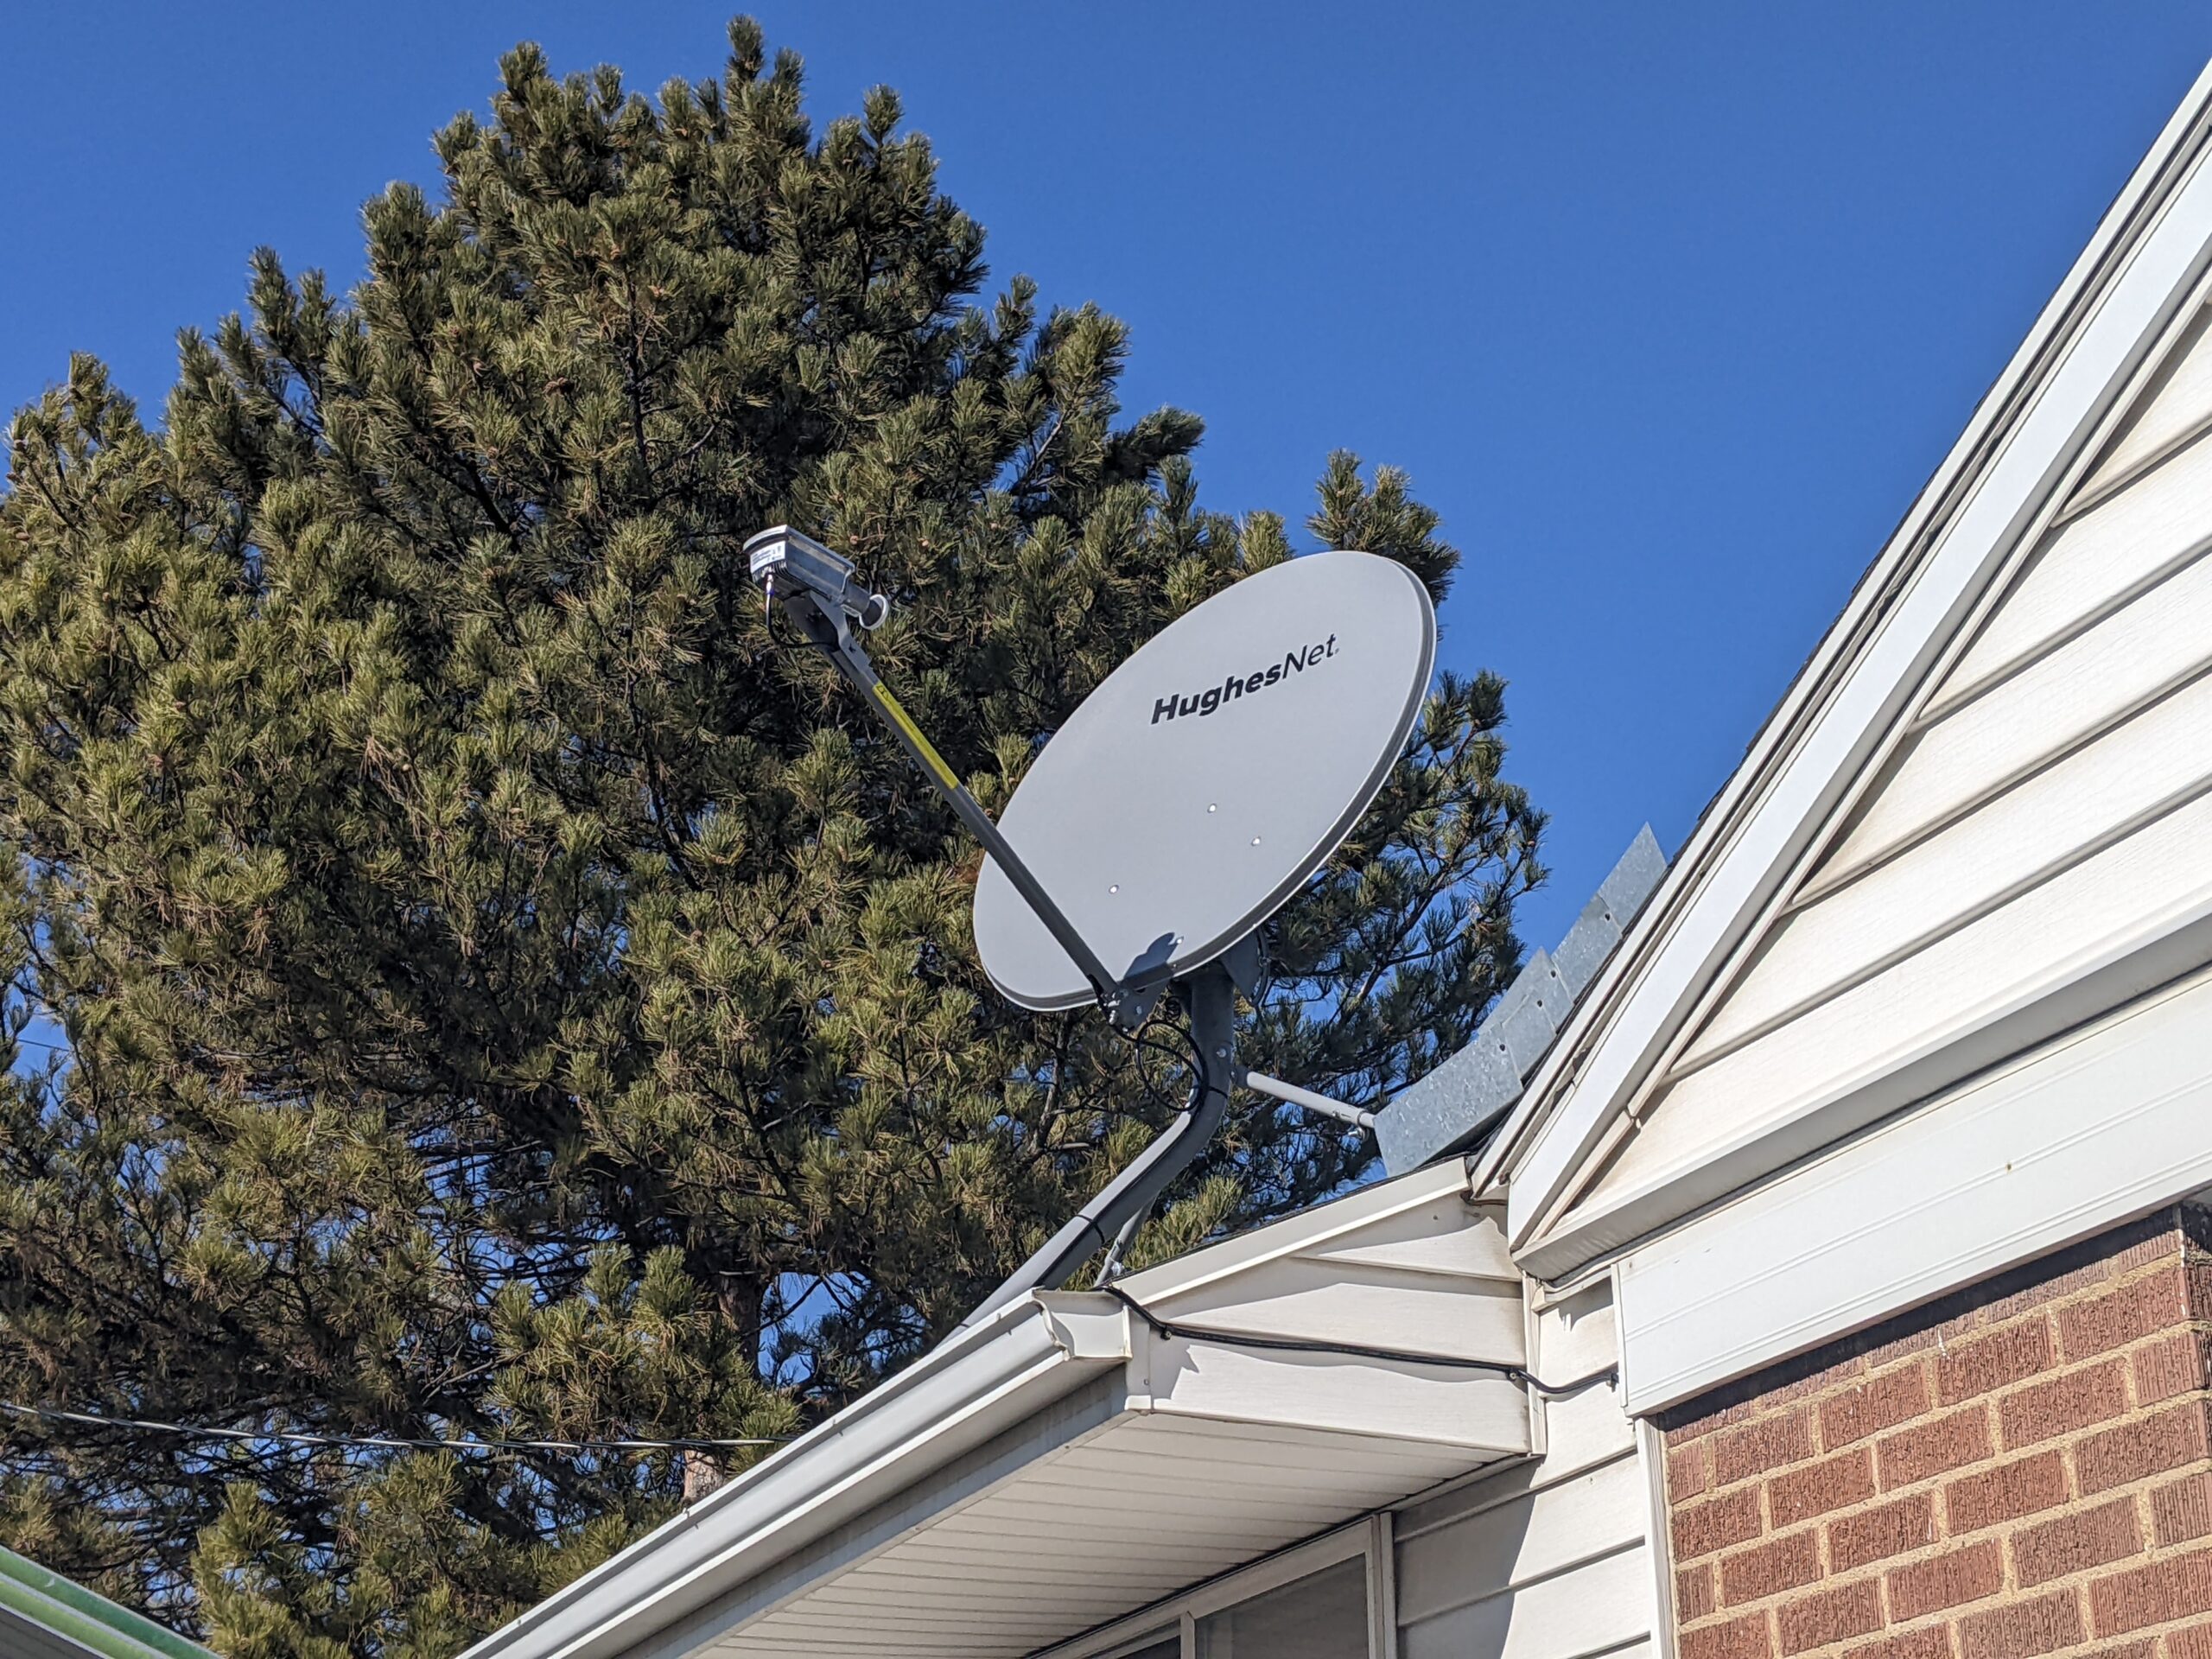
point(979, 1381)
point(1648, 990)
point(954, 1398)
point(84, 1616)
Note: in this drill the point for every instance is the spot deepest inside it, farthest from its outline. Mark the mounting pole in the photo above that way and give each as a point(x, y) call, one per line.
point(823, 595)
point(1114, 1215)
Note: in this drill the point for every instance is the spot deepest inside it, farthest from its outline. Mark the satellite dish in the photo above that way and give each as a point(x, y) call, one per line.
point(1210, 775)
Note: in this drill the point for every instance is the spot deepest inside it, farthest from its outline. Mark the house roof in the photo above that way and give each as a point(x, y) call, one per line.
point(45, 1616)
point(1076, 1455)
point(2040, 427)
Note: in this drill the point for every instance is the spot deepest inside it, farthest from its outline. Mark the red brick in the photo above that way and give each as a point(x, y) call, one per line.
point(2171, 1365)
point(1993, 1362)
point(1932, 1642)
point(2195, 1643)
point(1767, 1569)
point(1819, 1382)
point(2147, 1446)
point(2132, 1311)
point(2005, 1493)
point(2064, 1404)
point(1752, 1450)
point(1686, 1472)
point(1909, 1342)
point(2182, 1510)
point(1830, 1615)
point(2172, 1588)
point(2158, 1246)
point(1934, 1448)
point(1742, 1638)
point(1891, 1529)
point(2072, 1543)
point(1947, 1580)
point(1701, 1426)
point(1716, 1523)
point(2024, 1628)
point(1832, 1484)
point(1882, 1402)
point(1693, 1594)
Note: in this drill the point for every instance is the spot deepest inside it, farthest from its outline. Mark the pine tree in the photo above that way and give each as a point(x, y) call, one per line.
point(509, 995)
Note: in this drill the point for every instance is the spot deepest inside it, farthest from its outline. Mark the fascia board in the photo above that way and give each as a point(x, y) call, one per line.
point(2057, 386)
point(982, 1381)
point(2107, 1124)
point(1307, 1230)
point(32, 1624)
point(84, 1619)
point(2078, 989)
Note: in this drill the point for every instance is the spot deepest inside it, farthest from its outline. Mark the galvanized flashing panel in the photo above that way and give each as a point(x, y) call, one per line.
point(1446, 1109)
point(1473, 1088)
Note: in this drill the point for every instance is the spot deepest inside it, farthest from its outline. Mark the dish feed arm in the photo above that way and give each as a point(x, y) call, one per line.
point(821, 592)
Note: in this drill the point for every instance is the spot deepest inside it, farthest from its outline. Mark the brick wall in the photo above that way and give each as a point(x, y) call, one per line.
point(2023, 1468)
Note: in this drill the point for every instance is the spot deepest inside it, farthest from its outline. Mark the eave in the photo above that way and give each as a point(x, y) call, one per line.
point(1069, 1460)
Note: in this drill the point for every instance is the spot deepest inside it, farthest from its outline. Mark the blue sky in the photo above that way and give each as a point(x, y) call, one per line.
point(1669, 309)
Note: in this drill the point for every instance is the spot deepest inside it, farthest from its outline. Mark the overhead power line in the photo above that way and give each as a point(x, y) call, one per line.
point(376, 1442)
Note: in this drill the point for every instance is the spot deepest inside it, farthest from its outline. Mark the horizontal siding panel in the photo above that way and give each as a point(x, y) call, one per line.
point(2152, 759)
point(2126, 894)
point(1277, 1475)
point(1373, 1307)
point(2050, 799)
point(1577, 1335)
point(1448, 1237)
point(2085, 1132)
point(2174, 403)
point(2061, 700)
point(1469, 1415)
point(1603, 1607)
point(1585, 1428)
point(1528, 1536)
point(2092, 562)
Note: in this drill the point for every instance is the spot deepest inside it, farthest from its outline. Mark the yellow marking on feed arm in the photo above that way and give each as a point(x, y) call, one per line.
point(905, 721)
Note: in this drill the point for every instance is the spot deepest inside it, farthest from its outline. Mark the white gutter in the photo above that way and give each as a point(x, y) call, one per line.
point(979, 1382)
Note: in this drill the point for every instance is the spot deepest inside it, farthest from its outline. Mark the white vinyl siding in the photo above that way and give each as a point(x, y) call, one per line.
point(2095, 1129)
point(2173, 409)
point(2048, 812)
point(1546, 1561)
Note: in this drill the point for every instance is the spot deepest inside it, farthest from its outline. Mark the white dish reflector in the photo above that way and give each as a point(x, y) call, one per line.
point(1211, 774)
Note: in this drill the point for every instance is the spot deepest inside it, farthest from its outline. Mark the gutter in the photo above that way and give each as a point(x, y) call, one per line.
point(982, 1380)
point(91, 1622)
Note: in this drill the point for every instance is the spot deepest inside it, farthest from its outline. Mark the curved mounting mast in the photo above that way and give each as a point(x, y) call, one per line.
point(821, 593)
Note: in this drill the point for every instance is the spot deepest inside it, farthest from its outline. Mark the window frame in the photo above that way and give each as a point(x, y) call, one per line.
point(1178, 1616)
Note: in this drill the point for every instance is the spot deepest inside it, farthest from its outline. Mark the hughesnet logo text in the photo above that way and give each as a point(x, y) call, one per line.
point(1204, 703)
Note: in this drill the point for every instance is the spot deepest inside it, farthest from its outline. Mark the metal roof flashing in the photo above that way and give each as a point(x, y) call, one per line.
point(1470, 1094)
